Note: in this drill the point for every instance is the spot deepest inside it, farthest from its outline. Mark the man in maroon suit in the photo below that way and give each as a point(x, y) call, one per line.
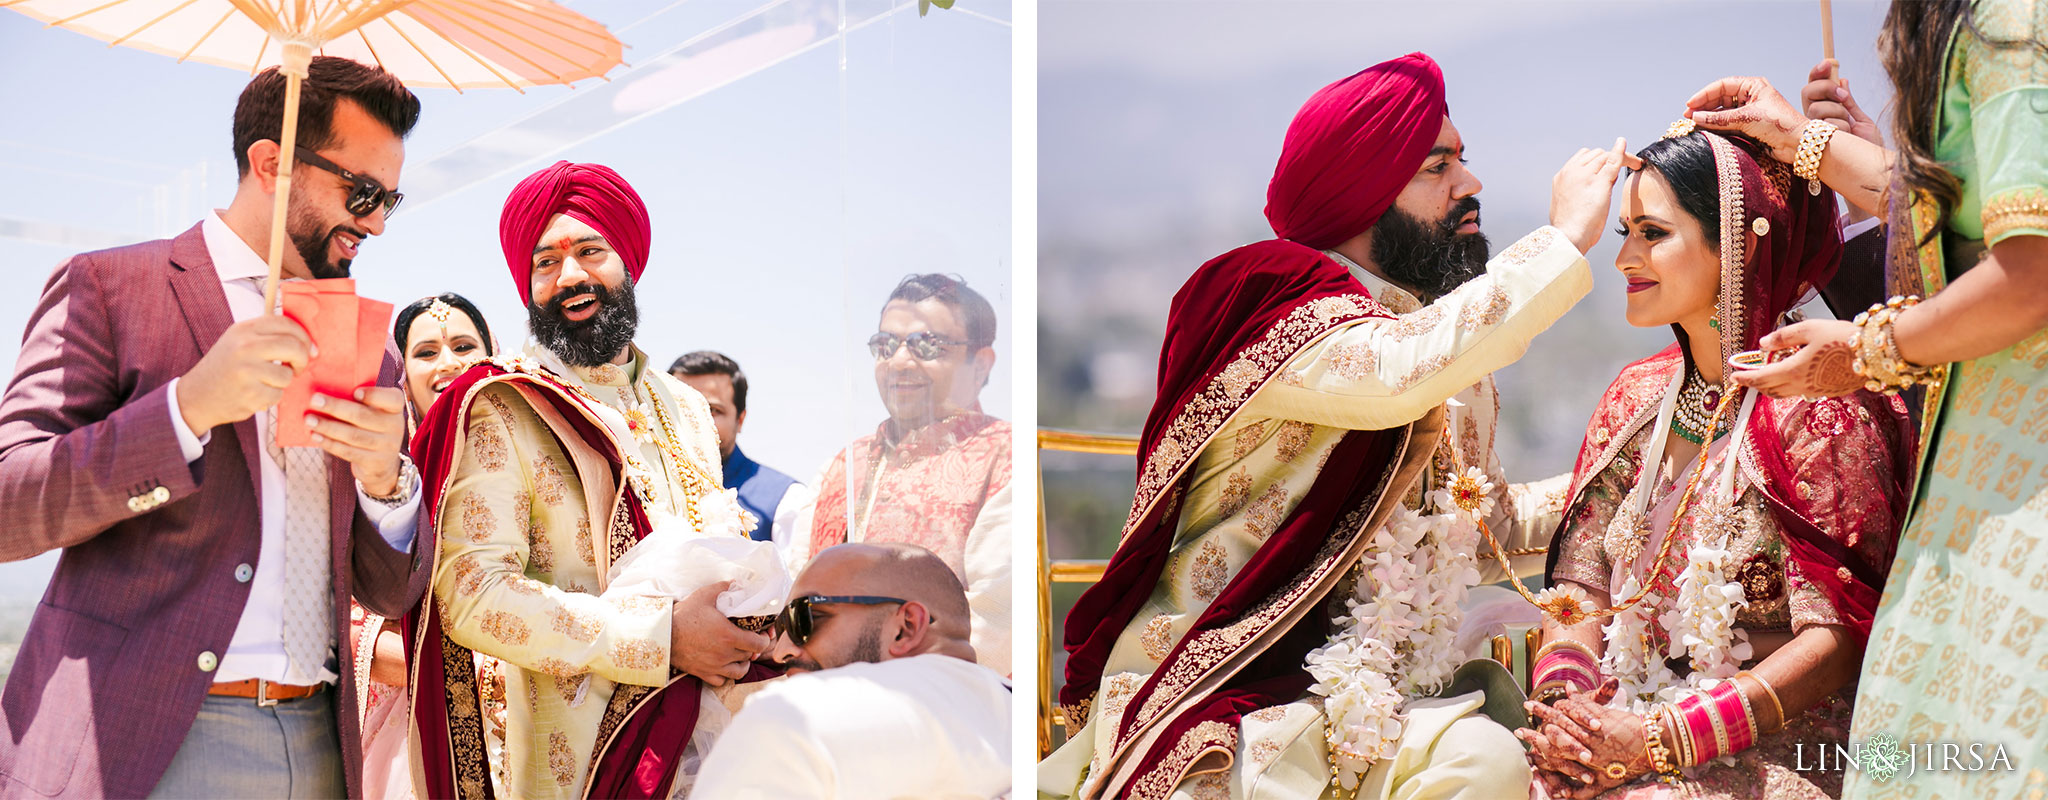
point(185, 646)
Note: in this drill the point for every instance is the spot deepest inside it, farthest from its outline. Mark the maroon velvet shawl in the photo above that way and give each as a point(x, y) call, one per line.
point(1778, 239)
point(1232, 327)
point(647, 744)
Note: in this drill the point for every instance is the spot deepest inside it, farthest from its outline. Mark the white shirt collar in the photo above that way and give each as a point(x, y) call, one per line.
point(232, 258)
point(1395, 298)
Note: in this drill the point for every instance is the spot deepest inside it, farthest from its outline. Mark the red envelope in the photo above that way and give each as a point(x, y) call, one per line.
point(349, 333)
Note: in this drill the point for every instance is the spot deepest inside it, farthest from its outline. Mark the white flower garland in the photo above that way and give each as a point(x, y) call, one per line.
point(1398, 636)
point(1700, 626)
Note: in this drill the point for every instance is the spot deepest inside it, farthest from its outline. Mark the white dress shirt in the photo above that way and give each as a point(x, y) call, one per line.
point(928, 726)
point(257, 650)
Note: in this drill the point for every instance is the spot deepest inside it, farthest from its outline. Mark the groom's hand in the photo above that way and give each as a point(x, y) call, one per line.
point(1582, 192)
point(702, 642)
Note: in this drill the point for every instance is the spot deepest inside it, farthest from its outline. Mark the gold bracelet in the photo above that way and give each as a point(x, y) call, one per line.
point(1770, 693)
point(1748, 712)
point(1813, 145)
point(1653, 740)
point(1877, 359)
point(1688, 754)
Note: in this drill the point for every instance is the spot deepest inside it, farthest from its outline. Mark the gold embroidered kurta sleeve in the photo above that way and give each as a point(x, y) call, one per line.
point(1381, 373)
point(517, 540)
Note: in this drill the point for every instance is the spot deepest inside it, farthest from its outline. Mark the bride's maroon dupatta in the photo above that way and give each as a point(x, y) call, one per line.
point(645, 728)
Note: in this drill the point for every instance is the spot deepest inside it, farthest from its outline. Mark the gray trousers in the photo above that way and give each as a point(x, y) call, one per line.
point(238, 749)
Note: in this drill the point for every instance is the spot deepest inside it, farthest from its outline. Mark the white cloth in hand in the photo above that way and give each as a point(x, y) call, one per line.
point(676, 559)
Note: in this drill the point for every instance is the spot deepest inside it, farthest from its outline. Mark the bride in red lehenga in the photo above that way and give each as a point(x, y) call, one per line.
point(1733, 545)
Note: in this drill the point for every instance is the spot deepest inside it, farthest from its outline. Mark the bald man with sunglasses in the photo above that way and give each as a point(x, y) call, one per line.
point(884, 698)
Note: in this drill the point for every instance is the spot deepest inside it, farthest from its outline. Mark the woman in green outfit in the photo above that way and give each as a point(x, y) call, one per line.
point(1958, 653)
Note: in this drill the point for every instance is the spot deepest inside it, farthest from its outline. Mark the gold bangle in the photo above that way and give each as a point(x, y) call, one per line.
point(1770, 693)
point(1688, 753)
point(1813, 145)
point(1567, 644)
point(1876, 349)
point(1748, 713)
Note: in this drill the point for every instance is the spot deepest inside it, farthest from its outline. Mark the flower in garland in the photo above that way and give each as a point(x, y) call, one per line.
point(638, 422)
point(1468, 493)
point(1566, 604)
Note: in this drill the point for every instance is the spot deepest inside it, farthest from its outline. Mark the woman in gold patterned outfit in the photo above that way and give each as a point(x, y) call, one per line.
point(1735, 543)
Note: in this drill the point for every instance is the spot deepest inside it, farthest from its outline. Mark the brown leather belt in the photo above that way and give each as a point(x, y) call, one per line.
point(264, 692)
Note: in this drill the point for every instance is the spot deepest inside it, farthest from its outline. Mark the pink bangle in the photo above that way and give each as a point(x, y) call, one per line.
point(1568, 666)
point(1727, 700)
point(1699, 723)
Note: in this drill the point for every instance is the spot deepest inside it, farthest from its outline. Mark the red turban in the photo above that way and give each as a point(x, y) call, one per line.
point(592, 193)
point(1351, 149)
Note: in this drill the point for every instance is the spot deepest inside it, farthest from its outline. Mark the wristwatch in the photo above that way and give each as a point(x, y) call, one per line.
point(408, 482)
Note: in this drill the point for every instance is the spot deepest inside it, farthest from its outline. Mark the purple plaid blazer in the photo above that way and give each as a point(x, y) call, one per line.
point(108, 681)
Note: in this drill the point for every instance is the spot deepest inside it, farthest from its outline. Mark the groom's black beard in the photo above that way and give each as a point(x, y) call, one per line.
point(593, 341)
point(1430, 258)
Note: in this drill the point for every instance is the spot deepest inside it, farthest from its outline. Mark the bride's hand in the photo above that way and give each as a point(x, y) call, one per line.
point(1823, 367)
point(1751, 107)
point(1582, 191)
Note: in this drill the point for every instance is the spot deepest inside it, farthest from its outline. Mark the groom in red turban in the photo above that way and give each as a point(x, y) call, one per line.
point(1308, 385)
point(543, 469)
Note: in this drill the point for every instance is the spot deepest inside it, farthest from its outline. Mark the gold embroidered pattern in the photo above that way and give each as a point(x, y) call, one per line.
point(561, 760)
point(625, 697)
point(488, 445)
point(1266, 513)
point(548, 486)
point(637, 654)
point(1265, 751)
point(583, 546)
point(1486, 312)
point(1248, 438)
point(639, 605)
point(540, 554)
point(1208, 648)
point(1210, 573)
point(1410, 326)
point(1158, 637)
point(1423, 369)
point(581, 627)
point(1213, 406)
point(621, 538)
point(1353, 361)
point(504, 627)
point(1331, 309)
point(478, 523)
point(465, 724)
point(469, 575)
point(567, 687)
point(2012, 210)
point(1203, 738)
point(1236, 490)
point(1239, 377)
point(1530, 246)
point(1269, 714)
point(605, 374)
point(1734, 317)
point(524, 585)
point(1293, 438)
point(549, 665)
point(1210, 786)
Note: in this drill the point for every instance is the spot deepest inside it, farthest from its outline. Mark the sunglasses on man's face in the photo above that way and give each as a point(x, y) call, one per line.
point(797, 622)
point(927, 346)
point(365, 196)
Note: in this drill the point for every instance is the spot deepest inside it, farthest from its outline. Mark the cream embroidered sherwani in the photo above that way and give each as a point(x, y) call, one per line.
point(522, 577)
point(1374, 374)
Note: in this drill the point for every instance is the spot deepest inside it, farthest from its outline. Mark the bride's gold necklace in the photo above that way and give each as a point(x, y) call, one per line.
point(1694, 420)
point(1561, 608)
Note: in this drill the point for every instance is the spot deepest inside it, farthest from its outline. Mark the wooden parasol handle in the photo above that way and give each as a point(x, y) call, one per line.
point(1827, 38)
point(298, 57)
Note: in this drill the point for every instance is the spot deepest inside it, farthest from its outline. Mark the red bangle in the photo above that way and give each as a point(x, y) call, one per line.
point(1727, 699)
point(1699, 723)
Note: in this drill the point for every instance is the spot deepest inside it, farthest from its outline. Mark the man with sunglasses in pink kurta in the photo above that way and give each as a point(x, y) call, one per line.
point(936, 473)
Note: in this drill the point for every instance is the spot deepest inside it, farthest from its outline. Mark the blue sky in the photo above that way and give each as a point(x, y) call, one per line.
point(792, 175)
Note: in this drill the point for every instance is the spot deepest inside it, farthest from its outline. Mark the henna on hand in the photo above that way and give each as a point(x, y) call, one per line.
point(1832, 370)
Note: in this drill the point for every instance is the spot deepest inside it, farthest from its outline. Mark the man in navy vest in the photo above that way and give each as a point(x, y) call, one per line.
point(764, 491)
